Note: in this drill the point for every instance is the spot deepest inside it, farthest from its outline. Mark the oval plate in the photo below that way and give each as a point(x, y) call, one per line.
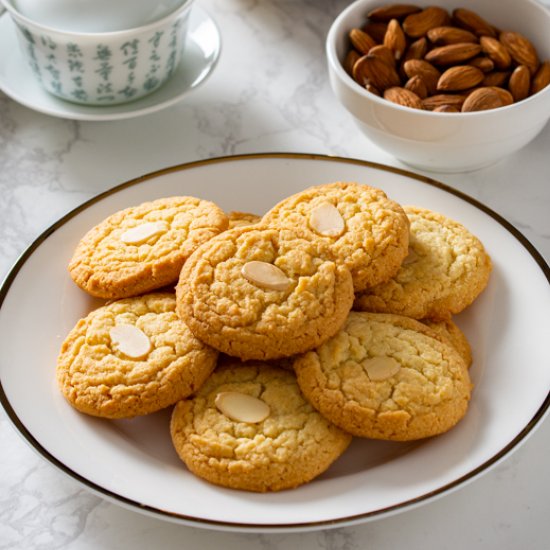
point(132, 462)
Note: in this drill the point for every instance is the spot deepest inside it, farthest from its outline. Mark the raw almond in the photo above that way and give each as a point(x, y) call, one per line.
point(404, 97)
point(417, 50)
point(459, 78)
point(541, 78)
point(350, 60)
point(361, 41)
point(373, 89)
point(376, 30)
point(434, 101)
point(496, 78)
point(394, 39)
point(469, 20)
point(429, 74)
point(392, 11)
point(520, 82)
point(417, 86)
point(487, 98)
point(378, 73)
point(418, 24)
point(521, 49)
point(443, 36)
point(384, 53)
point(496, 51)
point(453, 53)
point(482, 63)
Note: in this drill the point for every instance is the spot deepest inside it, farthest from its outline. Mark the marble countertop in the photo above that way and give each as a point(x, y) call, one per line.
point(270, 92)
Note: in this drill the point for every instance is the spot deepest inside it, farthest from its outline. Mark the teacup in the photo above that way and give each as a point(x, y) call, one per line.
point(103, 68)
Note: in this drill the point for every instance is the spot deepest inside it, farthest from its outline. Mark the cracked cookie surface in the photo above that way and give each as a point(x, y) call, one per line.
point(293, 445)
point(106, 266)
point(99, 379)
point(424, 394)
point(451, 331)
point(236, 316)
point(373, 240)
point(446, 269)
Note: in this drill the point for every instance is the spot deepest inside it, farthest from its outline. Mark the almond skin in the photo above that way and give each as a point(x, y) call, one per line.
point(469, 20)
point(486, 98)
point(496, 78)
point(376, 30)
point(541, 78)
point(384, 53)
point(377, 72)
point(361, 41)
point(520, 82)
point(495, 50)
point(392, 11)
point(417, 86)
point(446, 109)
point(417, 50)
point(350, 60)
point(459, 78)
point(521, 49)
point(429, 74)
point(394, 39)
point(453, 53)
point(404, 97)
point(452, 100)
point(482, 63)
point(418, 24)
point(443, 36)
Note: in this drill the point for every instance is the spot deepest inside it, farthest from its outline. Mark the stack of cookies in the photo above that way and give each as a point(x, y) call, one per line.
point(269, 370)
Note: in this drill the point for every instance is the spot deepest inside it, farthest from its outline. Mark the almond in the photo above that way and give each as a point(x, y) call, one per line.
point(446, 109)
point(486, 98)
point(404, 97)
point(453, 100)
point(418, 24)
point(496, 78)
point(520, 82)
point(417, 50)
point(459, 78)
point(392, 11)
point(496, 51)
point(350, 60)
point(384, 53)
point(394, 39)
point(521, 49)
point(376, 30)
point(471, 21)
point(361, 41)
point(429, 74)
point(453, 53)
point(541, 78)
point(377, 72)
point(372, 89)
point(417, 86)
point(482, 63)
point(442, 36)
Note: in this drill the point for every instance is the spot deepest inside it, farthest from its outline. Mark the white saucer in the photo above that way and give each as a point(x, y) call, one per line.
point(201, 54)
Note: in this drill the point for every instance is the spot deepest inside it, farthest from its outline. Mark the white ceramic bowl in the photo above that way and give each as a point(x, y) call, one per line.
point(445, 142)
point(103, 68)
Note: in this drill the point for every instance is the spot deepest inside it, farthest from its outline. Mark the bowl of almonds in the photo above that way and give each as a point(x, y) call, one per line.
point(450, 86)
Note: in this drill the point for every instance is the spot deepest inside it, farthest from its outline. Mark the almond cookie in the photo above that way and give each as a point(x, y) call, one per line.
point(250, 428)
point(132, 357)
point(143, 248)
point(366, 231)
point(446, 269)
point(386, 377)
point(263, 293)
point(240, 219)
point(450, 331)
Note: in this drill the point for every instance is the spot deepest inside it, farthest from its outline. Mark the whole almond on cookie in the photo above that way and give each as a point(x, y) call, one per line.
point(453, 53)
point(404, 97)
point(418, 24)
point(487, 98)
point(473, 22)
point(521, 49)
point(394, 39)
point(459, 78)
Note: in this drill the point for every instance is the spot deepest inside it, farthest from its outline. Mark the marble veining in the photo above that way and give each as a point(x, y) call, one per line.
point(270, 92)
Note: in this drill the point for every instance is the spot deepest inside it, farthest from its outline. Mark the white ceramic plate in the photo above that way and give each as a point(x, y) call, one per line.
point(202, 51)
point(132, 462)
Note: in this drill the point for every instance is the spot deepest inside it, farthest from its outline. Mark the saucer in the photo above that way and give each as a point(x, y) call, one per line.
point(202, 51)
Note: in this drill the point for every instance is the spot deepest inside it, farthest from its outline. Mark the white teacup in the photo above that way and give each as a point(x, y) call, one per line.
point(102, 68)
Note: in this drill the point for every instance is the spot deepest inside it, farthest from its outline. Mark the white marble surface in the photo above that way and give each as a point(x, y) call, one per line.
point(269, 93)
